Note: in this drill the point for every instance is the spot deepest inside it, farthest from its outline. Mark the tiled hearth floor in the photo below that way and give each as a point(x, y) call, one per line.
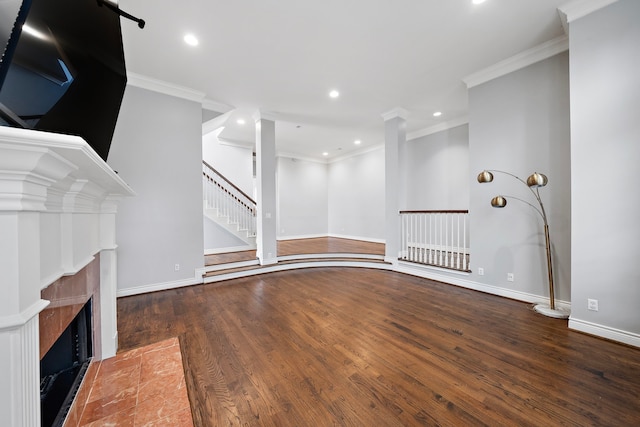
point(141, 387)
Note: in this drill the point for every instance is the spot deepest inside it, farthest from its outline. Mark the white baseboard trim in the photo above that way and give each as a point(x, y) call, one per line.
point(449, 277)
point(215, 251)
point(154, 287)
point(364, 239)
point(607, 332)
point(302, 236)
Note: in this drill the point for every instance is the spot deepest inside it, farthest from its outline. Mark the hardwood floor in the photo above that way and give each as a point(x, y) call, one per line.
point(361, 347)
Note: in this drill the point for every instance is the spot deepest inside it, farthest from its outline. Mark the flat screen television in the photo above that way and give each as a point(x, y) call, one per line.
point(63, 70)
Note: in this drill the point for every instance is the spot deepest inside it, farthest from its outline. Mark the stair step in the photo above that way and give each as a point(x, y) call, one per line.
point(284, 262)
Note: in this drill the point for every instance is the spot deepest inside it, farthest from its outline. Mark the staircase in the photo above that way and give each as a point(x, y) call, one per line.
point(228, 206)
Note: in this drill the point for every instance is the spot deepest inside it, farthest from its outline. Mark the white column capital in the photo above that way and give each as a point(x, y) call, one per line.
point(396, 112)
point(263, 115)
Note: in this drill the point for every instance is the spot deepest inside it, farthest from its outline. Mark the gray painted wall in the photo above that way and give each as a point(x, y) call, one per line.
point(437, 169)
point(520, 123)
point(605, 150)
point(235, 163)
point(302, 193)
point(157, 150)
point(356, 196)
point(218, 237)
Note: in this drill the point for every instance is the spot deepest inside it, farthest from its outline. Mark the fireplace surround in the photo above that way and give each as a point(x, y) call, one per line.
point(58, 202)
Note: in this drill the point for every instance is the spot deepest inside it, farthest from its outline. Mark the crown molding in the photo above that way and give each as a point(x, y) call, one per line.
point(396, 112)
point(580, 8)
point(292, 156)
point(220, 107)
point(216, 123)
point(236, 143)
point(357, 153)
point(519, 61)
point(449, 124)
point(264, 115)
point(166, 88)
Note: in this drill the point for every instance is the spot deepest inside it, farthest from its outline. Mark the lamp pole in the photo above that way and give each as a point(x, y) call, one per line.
point(533, 182)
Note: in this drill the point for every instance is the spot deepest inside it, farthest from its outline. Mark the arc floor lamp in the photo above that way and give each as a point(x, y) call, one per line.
point(533, 182)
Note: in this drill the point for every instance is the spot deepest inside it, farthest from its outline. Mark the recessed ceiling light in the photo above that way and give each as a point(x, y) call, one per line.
point(437, 114)
point(334, 94)
point(357, 142)
point(478, 1)
point(240, 121)
point(325, 154)
point(191, 40)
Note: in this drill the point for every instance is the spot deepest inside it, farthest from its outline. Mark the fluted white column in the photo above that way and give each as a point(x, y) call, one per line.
point(20, 304)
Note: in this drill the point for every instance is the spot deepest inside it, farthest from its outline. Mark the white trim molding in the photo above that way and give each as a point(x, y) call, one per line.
point(154, 287)
point(216, 124)
point(215, 251)
point(19, 320)
point(396, 112)
point(457, 278)
point(580, 8)
point(219, 107)
point(364, 239)
point(301, 236)
point(264, 115)
point(604, 332)
point(356, 153)
point(519, 61)
point(238, 143)
point(294, 156)
point(166, 88)
point(440, 127)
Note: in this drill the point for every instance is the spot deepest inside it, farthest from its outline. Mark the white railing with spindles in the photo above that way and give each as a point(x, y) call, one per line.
point(228, 200)
point(436, 238)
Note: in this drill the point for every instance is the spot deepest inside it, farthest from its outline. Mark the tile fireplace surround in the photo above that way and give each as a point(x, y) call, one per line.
point(58, 203)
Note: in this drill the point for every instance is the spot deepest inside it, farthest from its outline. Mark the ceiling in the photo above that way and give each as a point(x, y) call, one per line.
point(282, 57)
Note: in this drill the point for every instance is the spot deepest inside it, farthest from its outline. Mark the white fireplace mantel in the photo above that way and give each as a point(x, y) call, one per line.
point(58, 202)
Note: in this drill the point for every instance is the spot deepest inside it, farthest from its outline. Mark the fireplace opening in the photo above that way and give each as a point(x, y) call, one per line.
point(63, 367)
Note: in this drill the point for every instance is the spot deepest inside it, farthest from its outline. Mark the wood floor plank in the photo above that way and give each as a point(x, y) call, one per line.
point(360, 347)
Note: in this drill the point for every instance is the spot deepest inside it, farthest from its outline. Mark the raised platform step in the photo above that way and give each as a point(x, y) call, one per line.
point(234, 270)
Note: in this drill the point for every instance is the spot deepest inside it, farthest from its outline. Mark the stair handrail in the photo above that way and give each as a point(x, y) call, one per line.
point(252, 202)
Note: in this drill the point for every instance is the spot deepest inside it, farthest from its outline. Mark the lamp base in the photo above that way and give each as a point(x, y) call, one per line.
point(546, 310)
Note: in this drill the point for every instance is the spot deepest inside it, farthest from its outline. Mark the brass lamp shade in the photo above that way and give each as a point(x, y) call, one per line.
point(537, 180)
point(498, 202)
point(485, 176)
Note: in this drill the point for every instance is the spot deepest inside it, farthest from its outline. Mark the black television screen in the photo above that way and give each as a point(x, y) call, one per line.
point(63, 70)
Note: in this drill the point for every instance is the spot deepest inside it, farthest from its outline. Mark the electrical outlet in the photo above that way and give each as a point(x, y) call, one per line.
point(592, 304)
point(480, 271)
point(177, 267)
point(509, 277)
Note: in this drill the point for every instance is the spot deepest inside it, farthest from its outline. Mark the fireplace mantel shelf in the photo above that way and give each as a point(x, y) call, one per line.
point(42, 171)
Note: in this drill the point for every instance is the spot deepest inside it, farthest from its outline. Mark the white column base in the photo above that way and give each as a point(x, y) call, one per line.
point(20, 376)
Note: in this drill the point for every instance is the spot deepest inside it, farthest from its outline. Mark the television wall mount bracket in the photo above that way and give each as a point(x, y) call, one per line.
point(121, 12)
